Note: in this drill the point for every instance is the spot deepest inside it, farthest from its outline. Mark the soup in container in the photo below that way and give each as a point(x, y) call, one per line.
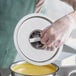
point(23, 68)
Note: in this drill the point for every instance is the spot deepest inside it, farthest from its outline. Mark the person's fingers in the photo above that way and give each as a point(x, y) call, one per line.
point(47, 47)
point(56, 44)
point(47, 33)
point(43, 32)
point(59, 41)
point(51, 39)
point(51, 36)
point(44, 46)
point(44, 39)
point(52, 48)
point(60, 44)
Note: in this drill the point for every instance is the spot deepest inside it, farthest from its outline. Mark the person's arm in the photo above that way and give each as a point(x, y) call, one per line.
point(71, 2)
point(38, 6)
point(54, 36)
point(72, 15)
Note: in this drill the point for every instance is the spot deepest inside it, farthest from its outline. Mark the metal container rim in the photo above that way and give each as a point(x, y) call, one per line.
point(19, 62)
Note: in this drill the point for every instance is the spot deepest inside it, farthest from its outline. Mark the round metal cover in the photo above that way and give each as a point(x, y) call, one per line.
point(22, 32)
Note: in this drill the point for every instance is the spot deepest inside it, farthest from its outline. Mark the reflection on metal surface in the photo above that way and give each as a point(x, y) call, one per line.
point(72, 73)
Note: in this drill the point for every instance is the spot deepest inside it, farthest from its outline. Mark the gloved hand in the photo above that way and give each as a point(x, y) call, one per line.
point(54, 35)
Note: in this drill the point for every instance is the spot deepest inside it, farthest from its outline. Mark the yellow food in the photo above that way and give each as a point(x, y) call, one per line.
point(30, 69)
